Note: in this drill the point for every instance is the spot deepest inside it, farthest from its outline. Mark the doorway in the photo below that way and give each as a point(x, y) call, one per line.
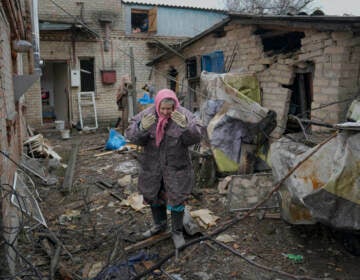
point(55, 91)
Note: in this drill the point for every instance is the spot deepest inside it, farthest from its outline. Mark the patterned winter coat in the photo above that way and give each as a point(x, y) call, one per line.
point(170, 161)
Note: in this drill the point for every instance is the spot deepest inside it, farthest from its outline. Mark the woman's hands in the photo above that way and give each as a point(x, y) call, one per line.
point(179, 119)
point(147, 121)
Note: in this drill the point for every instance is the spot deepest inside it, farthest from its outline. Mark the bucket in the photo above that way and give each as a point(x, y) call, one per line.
point(59, 125)
point(65, 133)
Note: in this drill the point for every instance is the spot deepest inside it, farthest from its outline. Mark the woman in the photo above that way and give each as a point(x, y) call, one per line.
point(165, 130)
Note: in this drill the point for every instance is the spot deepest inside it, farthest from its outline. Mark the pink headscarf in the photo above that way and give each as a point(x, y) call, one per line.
point(162, 121)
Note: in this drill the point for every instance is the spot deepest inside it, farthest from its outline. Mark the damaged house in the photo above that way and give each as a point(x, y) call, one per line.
point(306, 70)
point(301, 63)
point(89, 48)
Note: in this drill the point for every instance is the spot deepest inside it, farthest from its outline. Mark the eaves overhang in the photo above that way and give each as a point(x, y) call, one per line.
point(190, 41)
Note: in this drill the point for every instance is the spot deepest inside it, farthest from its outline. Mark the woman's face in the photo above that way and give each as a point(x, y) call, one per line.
point(166, 109)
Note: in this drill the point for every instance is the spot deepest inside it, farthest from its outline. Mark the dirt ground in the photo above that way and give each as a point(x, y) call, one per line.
point(89, 231)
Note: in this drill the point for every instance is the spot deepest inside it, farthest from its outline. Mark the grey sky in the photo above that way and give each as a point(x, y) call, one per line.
point(339, 7)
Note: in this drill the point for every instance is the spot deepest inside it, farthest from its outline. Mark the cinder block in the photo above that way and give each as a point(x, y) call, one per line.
point(341, 36)
point(321, 82)
point(256, 68)
point(309, 55)
point(335, 50)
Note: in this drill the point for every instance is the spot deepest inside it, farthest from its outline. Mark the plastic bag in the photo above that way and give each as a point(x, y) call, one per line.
point(115, 141)
point(146, 99)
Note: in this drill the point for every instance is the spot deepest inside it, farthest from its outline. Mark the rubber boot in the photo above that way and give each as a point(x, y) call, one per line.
point(160, 221)
point(177, 228)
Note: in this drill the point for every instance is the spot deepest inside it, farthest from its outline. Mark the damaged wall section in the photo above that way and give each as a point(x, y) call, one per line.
point(326, 60)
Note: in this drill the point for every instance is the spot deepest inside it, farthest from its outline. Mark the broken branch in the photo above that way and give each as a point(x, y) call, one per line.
point(55, 260)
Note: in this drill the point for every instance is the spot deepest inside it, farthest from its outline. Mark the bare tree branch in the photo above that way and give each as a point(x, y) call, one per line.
point(277, 7)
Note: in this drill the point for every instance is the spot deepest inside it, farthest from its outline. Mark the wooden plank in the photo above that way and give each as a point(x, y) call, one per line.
point(148, 242)
point(152, 16)
point(70, 170)
point(105, 153)
point(110, 192)
point(92, 148)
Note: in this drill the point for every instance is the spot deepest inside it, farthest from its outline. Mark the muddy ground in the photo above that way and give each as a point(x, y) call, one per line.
point(93, 231)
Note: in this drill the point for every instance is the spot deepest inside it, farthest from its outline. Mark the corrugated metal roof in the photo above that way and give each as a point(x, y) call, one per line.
point(195, 4)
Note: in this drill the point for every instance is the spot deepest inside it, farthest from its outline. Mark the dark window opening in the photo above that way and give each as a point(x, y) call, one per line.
point(172, 78)
point(277, 41)
point(87, 75)
point(139, 22)
point(191, 68)
point(300, 102)
point(143, 21)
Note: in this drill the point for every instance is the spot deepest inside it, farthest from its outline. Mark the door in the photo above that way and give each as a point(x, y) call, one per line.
point(55, 91)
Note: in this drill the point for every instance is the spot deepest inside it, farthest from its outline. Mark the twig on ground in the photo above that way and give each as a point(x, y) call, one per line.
point(237, 253)
point(55, 262)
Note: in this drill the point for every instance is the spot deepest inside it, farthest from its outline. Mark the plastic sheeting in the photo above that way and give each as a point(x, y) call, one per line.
point(326, 187)
point(233, 117)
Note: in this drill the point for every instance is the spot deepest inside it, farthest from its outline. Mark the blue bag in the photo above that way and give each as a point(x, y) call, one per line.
point(115, 141)
point(146, 99)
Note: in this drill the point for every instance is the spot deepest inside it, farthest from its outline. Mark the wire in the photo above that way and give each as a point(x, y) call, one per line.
point(75, 18)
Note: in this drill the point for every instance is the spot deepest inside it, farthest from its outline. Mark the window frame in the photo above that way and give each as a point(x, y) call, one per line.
point(82, 73)
point(151, 17)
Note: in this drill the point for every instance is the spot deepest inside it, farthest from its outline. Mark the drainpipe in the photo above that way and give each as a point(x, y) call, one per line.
point(35, 36)
point(106, 23)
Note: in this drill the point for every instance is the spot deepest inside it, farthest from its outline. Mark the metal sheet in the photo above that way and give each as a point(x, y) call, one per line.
point(22, 83)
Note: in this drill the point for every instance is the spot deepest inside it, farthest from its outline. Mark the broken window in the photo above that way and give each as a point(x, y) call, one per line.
point(280, 41)
point(143, 21)
point(87, 74)
point(301, 99)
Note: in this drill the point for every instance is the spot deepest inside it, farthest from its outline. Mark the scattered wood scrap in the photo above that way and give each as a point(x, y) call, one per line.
point(110, 192)
point(105, 153)
point(148, 242)
point(38, 144)
point(56, 264)
point(92, 148)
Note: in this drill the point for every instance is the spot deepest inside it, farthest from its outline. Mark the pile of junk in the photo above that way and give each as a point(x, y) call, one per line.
point(319, 180)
